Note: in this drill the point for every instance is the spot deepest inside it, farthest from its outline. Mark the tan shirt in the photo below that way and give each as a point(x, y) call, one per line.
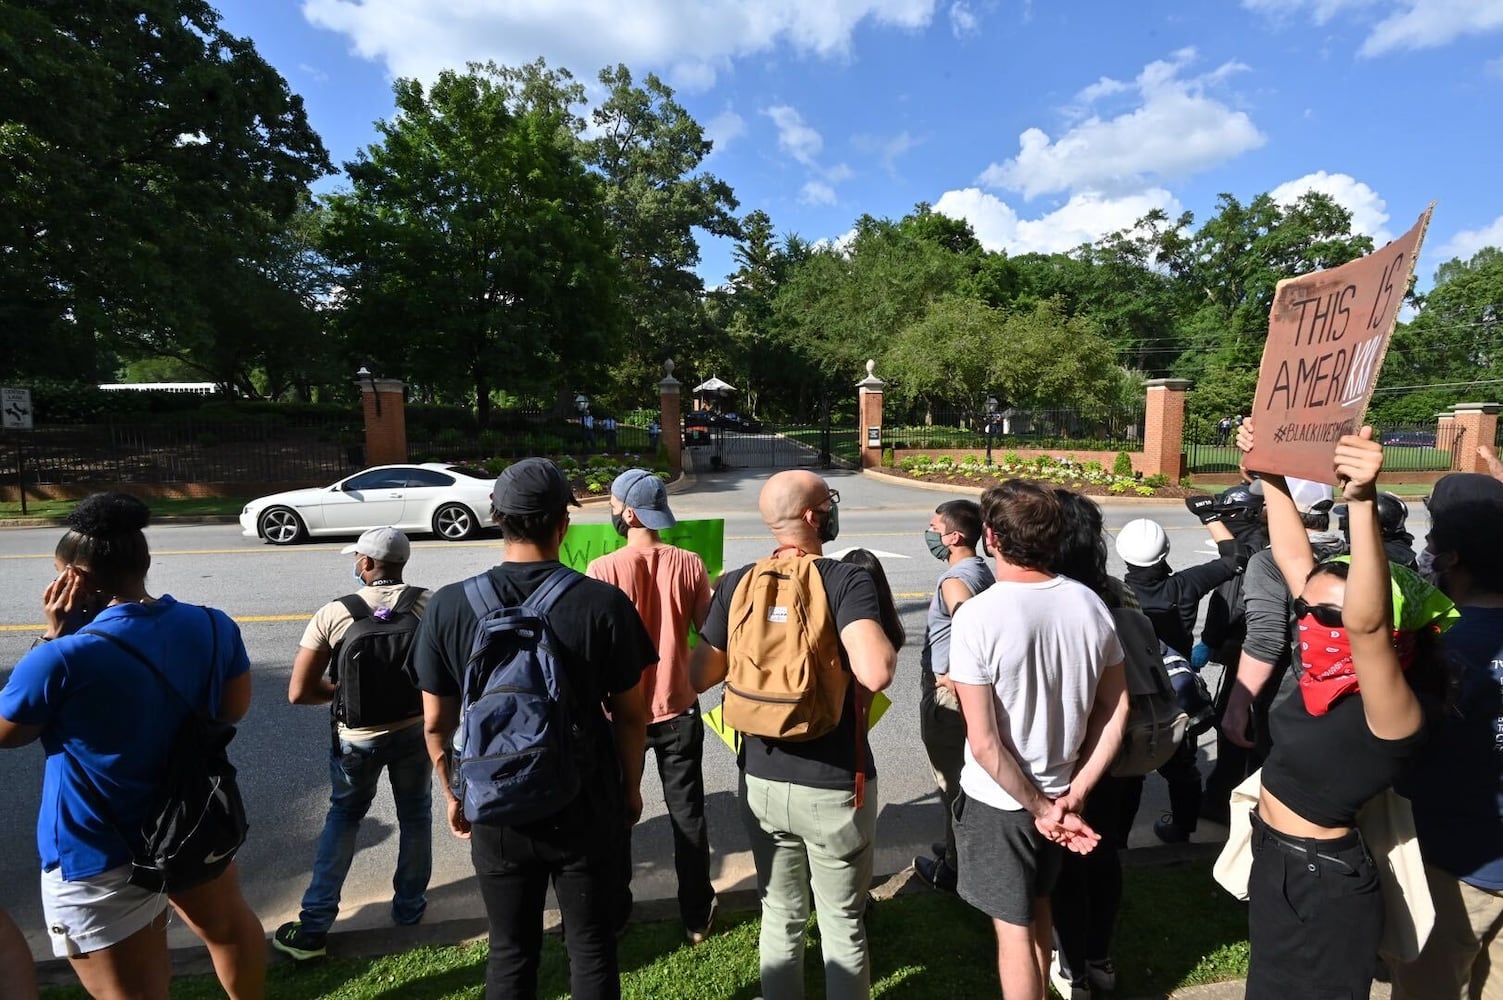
point(671, 590)
point(329, 624)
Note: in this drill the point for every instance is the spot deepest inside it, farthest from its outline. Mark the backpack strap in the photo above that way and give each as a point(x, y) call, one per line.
point(480, 591)
point(356, 606)
point(550, 590)
point(407, 599)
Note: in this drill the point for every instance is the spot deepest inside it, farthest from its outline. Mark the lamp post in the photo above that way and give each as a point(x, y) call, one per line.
point(991, 423)
point(365, 373)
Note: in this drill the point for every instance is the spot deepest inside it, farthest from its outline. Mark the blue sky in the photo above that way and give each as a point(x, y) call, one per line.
point(1043, 123)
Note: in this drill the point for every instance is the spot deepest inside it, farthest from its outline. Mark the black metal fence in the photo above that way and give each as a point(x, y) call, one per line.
point(1110, 430)
point(1406, 448)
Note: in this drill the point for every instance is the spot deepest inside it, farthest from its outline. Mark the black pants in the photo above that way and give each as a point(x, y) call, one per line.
point(1315, 917)
point(679, 745)
point(578, 852)
point(1089, 891)
point(1183, 778)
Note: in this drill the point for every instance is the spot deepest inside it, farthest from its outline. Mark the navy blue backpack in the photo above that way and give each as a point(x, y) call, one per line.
point(519, 759)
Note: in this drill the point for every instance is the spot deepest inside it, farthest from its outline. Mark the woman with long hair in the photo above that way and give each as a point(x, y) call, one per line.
point(1368, 645)
point(107, 723)
point(892, 625)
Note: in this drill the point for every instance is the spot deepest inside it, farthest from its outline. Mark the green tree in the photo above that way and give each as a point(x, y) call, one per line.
point(473, 245)
point(148, 162)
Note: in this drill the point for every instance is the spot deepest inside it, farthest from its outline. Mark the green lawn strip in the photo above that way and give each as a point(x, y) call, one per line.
point(11, 510)
point(1213, 458)
point(1177, 928)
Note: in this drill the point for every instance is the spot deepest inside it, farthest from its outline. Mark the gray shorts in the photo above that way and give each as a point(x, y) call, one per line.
point(1005, 863)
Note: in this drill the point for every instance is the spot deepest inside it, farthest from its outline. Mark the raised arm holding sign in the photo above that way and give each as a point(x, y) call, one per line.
point(1327, 335)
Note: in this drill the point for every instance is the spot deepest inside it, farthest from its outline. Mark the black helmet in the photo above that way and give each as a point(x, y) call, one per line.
point(1392, 513)
point(1240, 501)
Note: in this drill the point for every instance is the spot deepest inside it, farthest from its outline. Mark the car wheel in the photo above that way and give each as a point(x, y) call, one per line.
point(454, 521)
point(281, 526)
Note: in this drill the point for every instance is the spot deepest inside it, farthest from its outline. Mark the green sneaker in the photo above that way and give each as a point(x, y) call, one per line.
point(291, 939)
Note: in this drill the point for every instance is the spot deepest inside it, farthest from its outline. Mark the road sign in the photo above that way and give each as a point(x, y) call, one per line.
point(15, 409)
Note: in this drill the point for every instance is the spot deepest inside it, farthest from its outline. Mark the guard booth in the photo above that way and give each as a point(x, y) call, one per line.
point(704, 431)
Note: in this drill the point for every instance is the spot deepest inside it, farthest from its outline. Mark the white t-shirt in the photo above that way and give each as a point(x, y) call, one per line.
point(1042, 647)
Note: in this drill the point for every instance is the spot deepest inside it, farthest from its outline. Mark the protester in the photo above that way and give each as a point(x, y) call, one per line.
point(1368, 639)
point(107, 723)
point(1456, 785)
point(952, 536)
point(671, 591)
point(1041, 684)
point(1088, 894)
point(892, 622)
point(602, 649)
point(20, 979)
point(810, 805)
point(1171, 600)
point(377, 726)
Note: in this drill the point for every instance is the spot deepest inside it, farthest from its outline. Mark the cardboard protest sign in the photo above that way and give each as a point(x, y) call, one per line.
point(705, 538)
point(1327, 335)
point(715, 721)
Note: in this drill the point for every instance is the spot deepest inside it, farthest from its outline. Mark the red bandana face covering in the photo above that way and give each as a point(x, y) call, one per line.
point(1326, 654)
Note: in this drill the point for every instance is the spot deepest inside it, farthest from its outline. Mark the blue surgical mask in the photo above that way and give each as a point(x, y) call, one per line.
point(358, 578)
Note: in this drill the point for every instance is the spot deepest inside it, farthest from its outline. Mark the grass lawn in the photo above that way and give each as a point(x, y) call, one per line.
point(182, 505)
point(1205, 458)
point(1177, 928)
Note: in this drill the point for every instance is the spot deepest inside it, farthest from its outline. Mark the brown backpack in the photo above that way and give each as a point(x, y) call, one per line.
point(784, 679)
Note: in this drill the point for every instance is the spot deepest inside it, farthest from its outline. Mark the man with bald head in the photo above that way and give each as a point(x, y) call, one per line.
point(807, 823)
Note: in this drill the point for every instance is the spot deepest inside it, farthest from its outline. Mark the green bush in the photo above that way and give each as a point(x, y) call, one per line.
point(888, 458)
point(1156, 480)
point(1123, 465)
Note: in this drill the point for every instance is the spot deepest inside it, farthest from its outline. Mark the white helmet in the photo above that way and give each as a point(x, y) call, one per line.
point(1142, 542)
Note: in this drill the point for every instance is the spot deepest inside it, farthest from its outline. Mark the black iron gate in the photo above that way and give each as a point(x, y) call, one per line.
point(727, 442)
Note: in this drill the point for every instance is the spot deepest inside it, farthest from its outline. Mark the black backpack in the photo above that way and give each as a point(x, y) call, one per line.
point(372, 687)
point(197, 821)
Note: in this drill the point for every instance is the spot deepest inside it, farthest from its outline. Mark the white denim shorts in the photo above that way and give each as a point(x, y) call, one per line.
point(96, 912)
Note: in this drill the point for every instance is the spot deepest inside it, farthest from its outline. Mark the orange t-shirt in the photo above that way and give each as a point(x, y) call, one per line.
point(670, 589)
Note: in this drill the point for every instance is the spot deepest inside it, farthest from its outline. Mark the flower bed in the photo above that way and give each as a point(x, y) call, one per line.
point(1089, 478)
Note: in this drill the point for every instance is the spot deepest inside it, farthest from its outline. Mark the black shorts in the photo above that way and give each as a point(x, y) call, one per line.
point(1005, 863)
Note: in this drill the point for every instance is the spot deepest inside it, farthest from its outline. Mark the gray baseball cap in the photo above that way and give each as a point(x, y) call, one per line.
point(385, 545)
point(644, 493)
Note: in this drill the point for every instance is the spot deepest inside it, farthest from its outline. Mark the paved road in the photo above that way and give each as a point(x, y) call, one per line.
point(282, 750)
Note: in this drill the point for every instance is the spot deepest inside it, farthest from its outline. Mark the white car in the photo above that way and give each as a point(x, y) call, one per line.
point(451, 501)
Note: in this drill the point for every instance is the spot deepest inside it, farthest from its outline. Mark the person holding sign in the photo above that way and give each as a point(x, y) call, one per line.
point(1369, 643)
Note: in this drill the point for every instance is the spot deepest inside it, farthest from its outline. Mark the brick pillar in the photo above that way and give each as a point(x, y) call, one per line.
point(1164, 428)
point(869, 409)
point(670, 402)
point(1478, 423)
point(1446, 436)
point(385, 408)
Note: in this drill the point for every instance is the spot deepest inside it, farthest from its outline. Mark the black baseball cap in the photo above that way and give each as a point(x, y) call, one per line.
point(532, 486)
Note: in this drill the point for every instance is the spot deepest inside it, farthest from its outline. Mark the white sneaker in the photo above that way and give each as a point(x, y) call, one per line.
point(1066, 989)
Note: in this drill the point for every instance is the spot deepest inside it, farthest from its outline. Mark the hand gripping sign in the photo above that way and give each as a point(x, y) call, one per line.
point(1327, 335)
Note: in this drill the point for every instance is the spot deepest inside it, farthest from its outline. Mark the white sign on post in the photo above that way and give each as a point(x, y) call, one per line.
point(15, 409)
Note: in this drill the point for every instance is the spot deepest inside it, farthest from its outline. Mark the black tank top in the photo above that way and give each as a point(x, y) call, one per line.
point(1327, 767)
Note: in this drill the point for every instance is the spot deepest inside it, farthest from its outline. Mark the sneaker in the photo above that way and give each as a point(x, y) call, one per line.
point(291, 939)
point(938, 850)
point(1062, 986)
point(1170, 832)
point(935, 872)
point(699, 936)
point(1102, 974)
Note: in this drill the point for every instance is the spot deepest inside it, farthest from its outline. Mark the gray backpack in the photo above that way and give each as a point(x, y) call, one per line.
point(1155, 722)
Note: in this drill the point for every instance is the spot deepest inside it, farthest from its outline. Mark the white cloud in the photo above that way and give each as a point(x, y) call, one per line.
point(1369, 210)
point(1176, 130)
point(1087, 216)
point(795, 137)
point(1410, 24)
point(963, 20)
point(693, 42)
point(816, 193)
point(724, 129)
point(887, 148)
point(1467, 242)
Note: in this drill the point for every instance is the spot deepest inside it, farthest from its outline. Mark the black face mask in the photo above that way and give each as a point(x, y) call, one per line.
point(618, 521)
point(829, 525)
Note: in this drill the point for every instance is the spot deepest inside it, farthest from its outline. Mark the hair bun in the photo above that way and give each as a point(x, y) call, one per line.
point(102, 515)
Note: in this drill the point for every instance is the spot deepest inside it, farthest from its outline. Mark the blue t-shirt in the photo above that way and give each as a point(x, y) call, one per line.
point(108, 720)
point(1456, 785)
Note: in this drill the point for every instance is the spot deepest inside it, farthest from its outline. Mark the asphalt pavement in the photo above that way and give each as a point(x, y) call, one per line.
point(282, 750)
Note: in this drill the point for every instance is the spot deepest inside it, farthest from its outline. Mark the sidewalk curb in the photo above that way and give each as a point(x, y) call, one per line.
point(976, 491)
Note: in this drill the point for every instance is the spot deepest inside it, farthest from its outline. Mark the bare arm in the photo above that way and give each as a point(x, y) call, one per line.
point(307, 685)
point(629, 718)
point(707, 666)
point(1220, 532)
point(1392, 710)
point(873, 660)
point(235, 699)
point(702, 602)
point(1286, 529)
point(978, 706)
point(1104, 729)
point(954, 593)
point(16, 734)
point(440, 719)
point(1236, 720)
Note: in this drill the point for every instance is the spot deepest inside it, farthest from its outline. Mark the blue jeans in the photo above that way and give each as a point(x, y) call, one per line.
point(355, 772)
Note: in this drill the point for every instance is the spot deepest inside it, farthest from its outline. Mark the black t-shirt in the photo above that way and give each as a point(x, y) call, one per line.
point(605, 647)
point(1326, 767)
point(828, 761)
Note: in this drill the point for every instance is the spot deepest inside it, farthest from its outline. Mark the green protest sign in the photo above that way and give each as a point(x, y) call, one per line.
point(587, 542)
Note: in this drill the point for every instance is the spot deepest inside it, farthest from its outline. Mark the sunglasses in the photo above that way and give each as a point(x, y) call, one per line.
point(1326, 614)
